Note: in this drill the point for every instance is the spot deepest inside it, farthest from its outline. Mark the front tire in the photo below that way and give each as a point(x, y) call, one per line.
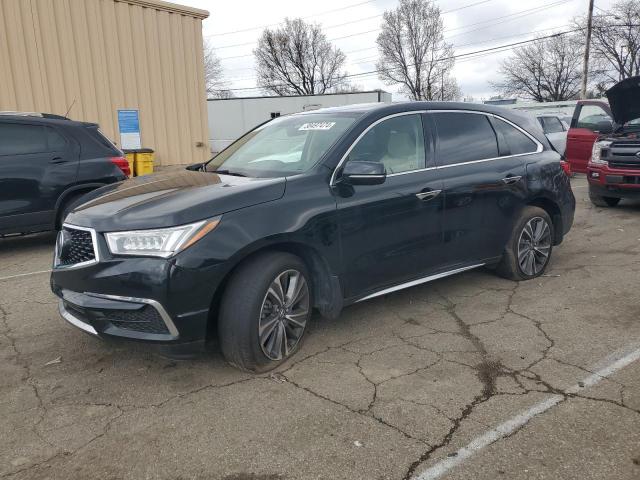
point(604, 202)
point(265, 311)
point(529, 249)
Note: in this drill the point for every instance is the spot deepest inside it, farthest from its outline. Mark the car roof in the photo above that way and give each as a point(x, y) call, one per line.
point(392, 107)
point(43, 119)
point(377, 110)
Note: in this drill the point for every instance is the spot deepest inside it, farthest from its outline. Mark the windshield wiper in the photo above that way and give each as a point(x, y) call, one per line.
point(229, 172)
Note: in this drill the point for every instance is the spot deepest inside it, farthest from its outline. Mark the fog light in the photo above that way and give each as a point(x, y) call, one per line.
point(595, 175)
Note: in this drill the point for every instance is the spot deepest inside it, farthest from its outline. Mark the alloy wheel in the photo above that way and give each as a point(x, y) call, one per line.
point(534, 246)
point(284, 313)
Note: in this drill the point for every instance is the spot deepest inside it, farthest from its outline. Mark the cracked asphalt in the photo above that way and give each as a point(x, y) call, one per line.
point(393, 387)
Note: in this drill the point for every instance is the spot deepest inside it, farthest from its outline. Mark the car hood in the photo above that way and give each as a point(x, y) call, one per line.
point(166, 200)
point(624, 100)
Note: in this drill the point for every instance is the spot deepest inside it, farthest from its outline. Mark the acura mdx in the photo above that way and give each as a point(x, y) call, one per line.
point(317, 210)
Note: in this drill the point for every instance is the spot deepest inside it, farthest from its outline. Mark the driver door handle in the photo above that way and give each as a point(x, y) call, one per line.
point(511, 179)
point(428, 195)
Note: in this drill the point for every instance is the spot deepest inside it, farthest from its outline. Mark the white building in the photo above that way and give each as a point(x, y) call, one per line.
point(231, 118)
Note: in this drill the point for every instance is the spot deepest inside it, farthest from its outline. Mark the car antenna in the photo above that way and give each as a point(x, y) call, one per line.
point(70, 107)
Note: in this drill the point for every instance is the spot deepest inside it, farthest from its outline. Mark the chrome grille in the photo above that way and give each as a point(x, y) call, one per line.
point(75, 246)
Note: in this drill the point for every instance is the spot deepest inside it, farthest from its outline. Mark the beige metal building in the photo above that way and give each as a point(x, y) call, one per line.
point(91, 58)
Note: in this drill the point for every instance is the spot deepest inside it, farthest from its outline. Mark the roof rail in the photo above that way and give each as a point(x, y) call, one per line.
point(35, 114)
point(22, 114)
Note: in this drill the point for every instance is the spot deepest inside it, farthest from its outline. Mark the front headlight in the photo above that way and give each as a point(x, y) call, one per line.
point(596, 153)
point(161, 242)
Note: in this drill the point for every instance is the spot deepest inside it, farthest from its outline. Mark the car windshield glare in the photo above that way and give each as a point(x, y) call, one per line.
point(285, 146)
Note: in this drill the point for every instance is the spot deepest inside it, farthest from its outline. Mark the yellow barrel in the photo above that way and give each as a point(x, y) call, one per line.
point(130, 155)
point(144, 161)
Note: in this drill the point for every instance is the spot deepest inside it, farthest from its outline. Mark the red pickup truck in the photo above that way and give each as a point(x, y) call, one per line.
point(604, 143)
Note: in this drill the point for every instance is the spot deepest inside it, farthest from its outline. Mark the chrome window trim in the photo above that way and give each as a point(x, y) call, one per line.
point(64, 313)
point(539, 146)
point(419, 281)
point(367, 176)
point(332, 182)
point(94, 241)
point(166, 318)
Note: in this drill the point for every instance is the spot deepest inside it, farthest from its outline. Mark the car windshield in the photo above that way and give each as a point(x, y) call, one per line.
point(285, 146)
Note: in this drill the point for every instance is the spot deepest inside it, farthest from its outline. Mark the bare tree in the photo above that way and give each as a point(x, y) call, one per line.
point(297, 59)
point(414, 53)
point(615, 42)
point(547, 70)
point(214, 81)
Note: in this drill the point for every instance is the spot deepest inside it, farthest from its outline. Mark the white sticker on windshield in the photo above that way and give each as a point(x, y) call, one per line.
point(317, 126)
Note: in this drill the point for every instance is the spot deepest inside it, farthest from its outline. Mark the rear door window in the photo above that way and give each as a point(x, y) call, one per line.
point(20, 139)
point(464, 137)
point(512, 140)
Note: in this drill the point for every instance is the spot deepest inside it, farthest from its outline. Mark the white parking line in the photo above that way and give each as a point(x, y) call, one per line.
point(580, 186)
point(24, 274)
point(511, 425)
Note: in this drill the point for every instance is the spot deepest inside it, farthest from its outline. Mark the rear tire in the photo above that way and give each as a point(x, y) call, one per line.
point(528, 251)
point(604, 202)
point(260, 326)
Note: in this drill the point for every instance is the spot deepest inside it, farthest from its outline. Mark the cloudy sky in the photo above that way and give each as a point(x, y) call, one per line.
point(234, 26)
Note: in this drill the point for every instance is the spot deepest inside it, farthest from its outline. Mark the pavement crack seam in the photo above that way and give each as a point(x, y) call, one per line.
point(366, 414)
point(487, 372)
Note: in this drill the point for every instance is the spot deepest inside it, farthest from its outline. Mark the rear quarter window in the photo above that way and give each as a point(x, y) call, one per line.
point(515, 142)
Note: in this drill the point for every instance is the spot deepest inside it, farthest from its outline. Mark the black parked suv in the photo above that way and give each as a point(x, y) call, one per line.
point(314, 210)
point(46, 163)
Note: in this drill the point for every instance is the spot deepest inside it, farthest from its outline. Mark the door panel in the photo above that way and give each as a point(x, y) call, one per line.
point(480, 207)
point(37, 164)
point(582, 134)
point(388, 233)
point(484, 183)
point(391, 232)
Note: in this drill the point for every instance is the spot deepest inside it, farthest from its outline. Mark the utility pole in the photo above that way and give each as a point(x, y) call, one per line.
point(587, 46)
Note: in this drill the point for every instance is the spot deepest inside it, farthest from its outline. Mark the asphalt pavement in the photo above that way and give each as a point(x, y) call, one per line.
point(469, 377)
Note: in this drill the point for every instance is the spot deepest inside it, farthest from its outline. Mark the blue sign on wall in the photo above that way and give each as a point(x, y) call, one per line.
point(129, 126)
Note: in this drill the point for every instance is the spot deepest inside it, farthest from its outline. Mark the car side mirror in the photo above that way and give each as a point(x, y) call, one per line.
point(604, 126)
point(364, 173)
point(196, 167)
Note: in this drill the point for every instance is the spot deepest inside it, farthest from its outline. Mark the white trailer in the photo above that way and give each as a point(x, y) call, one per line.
point(231, 118)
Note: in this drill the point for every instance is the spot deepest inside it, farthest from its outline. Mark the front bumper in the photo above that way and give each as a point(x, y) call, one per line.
point(607, 181)
point(146, 299)
point(135, 318)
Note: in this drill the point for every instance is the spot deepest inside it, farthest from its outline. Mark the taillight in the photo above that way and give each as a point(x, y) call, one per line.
point(122, 164)
point(566, 166)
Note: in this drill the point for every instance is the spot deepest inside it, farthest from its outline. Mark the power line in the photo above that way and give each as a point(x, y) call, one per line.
point(333, 26)
point(275, 24)
point(370, 58)
point(452, 57)
point(329, 27)
point(491, 22)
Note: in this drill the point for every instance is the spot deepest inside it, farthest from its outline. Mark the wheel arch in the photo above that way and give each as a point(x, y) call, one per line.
point(327, 290)
point(70, 194)
point(554, 212)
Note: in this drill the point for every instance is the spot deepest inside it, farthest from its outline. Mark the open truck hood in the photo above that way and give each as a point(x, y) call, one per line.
point(624, 100)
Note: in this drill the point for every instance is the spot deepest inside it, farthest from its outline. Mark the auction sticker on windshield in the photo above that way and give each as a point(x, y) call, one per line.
point(317, 126)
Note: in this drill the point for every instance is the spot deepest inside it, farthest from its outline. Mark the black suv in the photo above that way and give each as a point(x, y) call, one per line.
point(314, 210)
point(46, 163)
